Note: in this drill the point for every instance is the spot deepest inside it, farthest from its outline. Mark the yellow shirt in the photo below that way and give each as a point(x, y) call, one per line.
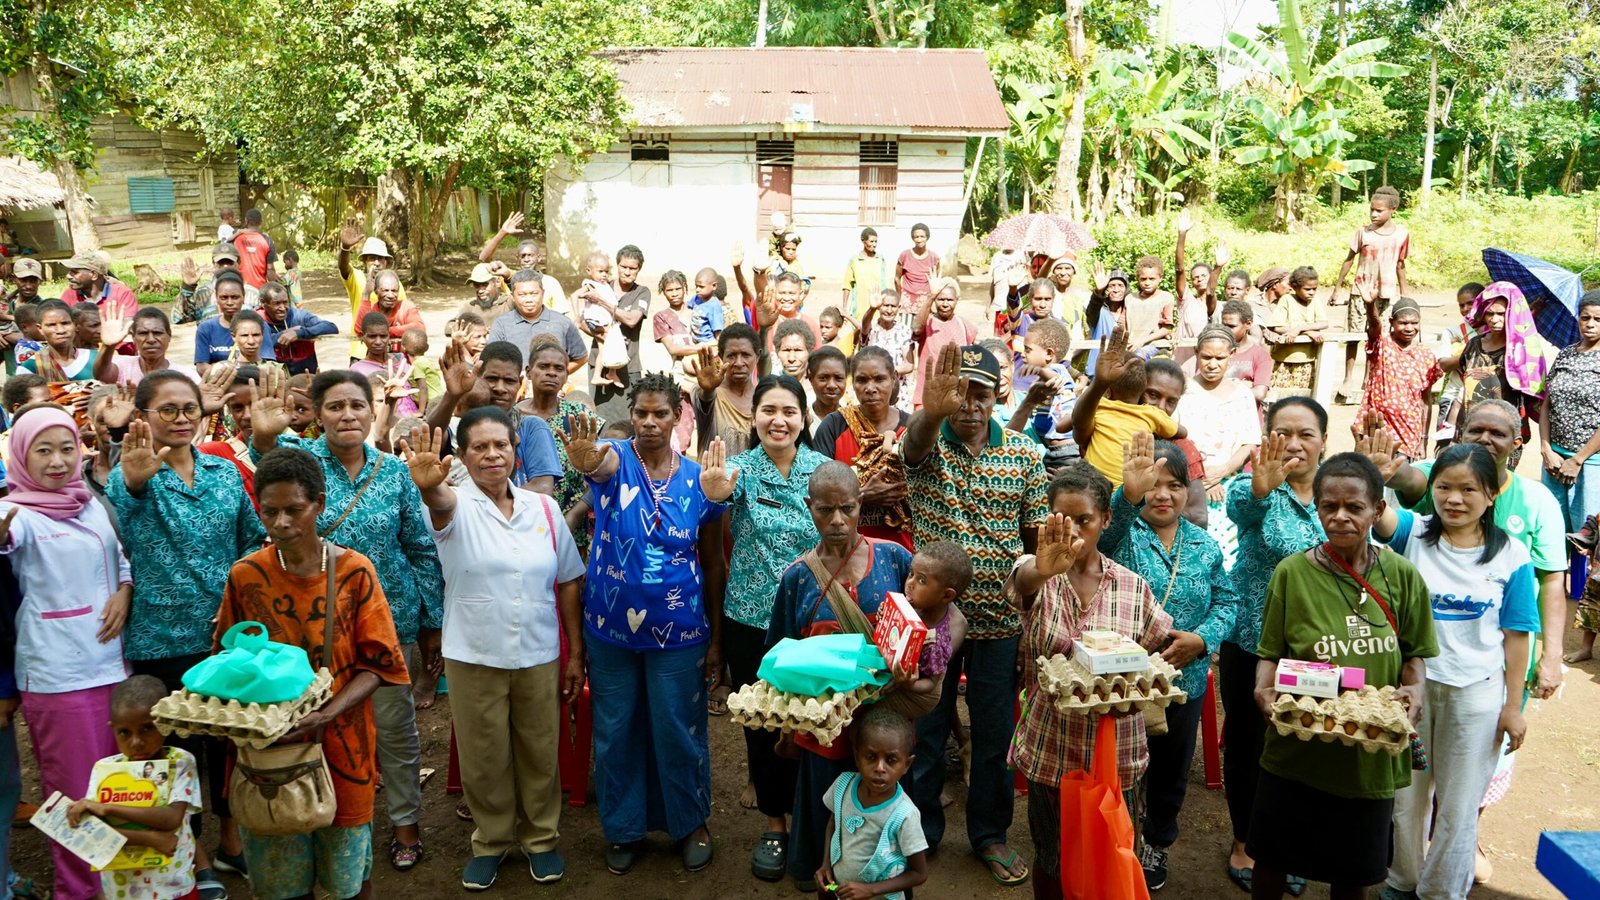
point(1115, 423)
point(1291, 313)
point(865, 278)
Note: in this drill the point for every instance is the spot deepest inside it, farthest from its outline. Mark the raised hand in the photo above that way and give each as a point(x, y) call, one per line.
point(1113, 359)
point(460, 369)
point(1376, 443)
point(717, 481)
point(736, 257)
point(943, 386)
point(1224, 256)
point(512, 224)
point(350, 234)
point(1184, 221)
point(114, 331)
point(428, 470)
point(214, 393)
point(1101, 276)
point(117, 410)
point(271, 411)
point(141, 460)
point(1270, 466)
point(709, 375)
point(1138, 467)
point(1059, 546)
point(582, 439)
point(188, 272)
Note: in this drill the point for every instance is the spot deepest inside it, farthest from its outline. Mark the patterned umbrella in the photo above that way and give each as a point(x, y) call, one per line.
point(1043, 233)
point(1552, 291)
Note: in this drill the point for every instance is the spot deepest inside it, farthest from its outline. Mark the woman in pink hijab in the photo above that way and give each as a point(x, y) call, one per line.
point(75, 586)
point(1504, 359)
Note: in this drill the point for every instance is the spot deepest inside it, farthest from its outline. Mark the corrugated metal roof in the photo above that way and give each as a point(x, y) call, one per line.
point(810, 88)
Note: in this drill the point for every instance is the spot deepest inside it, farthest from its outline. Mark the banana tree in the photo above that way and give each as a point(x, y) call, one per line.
point(1147, 127)
point(1033, 141)
point(1294, 120)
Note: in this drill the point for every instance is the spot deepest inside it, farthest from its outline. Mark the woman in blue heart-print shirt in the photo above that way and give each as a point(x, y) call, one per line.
point(652, 621)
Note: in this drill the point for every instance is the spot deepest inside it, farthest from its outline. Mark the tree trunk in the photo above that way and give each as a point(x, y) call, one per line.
point(1519, 175)
point(877, 23)
point(392, 208)
point(80, 213)
point(1066, 198)
point(1466, 164)
point(1430, 131)
point(1093, 199)
point(1000, 186)
point(1494, 152)
point(761, 25)
point(1344, 41)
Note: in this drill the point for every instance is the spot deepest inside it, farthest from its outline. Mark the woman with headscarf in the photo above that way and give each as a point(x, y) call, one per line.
point(1504, 359)
point(76, 587)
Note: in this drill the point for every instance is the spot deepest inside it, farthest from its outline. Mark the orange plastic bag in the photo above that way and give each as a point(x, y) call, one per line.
point(1097, 857)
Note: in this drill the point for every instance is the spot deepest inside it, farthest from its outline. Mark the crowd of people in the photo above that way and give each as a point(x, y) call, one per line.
point(1079, 457)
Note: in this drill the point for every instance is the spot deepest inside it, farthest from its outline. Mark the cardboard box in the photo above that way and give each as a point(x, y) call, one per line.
point(899, 633)
point(1101, 640)
point(1315, 679)
point(1122, 656)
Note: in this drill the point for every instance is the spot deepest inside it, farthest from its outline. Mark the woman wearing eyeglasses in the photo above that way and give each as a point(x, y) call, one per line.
point(193, 520)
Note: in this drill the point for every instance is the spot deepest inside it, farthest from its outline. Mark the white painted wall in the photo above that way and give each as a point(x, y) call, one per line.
point(688, 212)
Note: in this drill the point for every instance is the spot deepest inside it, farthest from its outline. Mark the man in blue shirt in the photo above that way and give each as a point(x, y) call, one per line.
point(291, 331)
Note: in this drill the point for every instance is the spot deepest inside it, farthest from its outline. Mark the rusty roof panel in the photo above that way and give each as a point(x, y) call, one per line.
point(796, 88)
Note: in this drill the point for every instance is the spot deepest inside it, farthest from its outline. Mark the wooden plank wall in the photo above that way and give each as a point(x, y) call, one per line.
point(202, 184)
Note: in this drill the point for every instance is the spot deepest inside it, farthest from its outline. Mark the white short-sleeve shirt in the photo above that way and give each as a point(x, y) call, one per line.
point(500, 579)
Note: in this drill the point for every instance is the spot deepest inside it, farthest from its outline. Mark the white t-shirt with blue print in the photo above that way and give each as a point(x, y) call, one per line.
point(1472, 601)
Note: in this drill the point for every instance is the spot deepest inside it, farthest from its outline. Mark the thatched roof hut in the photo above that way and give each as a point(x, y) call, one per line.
point(23, 185)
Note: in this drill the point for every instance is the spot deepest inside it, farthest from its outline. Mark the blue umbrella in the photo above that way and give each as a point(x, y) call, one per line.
point(1541, 282)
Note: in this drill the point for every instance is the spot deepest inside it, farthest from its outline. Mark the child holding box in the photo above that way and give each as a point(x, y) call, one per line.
point(162, 827)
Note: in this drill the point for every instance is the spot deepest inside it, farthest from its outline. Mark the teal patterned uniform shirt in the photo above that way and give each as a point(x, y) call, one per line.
point(1270, 530)
point(1192, 593)
point(771, 529)
point(387, 527)
point(182, 542)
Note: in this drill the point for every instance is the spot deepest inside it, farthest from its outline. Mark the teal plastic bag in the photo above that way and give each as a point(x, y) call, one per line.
point(252, 669)
point(827, 662)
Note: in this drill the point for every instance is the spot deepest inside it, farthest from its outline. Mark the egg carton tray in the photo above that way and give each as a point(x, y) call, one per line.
point(1077, 691)
point(1369, 718)
point(257, 725)
point(760, 705)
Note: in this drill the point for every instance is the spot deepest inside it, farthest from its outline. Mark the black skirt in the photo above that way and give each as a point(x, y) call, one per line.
point(1318, 836)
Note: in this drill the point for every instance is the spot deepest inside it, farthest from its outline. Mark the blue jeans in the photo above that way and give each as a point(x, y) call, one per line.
point(10, 793)
point(652, 760)
point(991, 668)
point(1579, 499)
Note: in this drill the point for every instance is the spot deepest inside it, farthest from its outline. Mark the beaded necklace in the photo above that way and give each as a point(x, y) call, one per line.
point(657, 489)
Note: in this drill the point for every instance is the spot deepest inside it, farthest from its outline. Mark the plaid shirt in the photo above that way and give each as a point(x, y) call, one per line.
point(982, 503)
point(1049, 743)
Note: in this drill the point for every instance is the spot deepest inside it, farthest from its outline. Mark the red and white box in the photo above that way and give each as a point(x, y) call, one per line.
point(899, 633)
point(1316, 679)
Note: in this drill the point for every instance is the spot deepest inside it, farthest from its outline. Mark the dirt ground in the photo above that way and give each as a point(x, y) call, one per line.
point(1556, 787)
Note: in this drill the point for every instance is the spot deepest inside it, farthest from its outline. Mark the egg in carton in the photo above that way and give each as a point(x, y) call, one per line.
point(1076, 691)
point(760, 705)
point(1369, 718)
point(258, 725)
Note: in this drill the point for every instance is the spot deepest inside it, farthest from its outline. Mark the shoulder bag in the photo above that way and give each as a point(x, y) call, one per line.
point(287, 788)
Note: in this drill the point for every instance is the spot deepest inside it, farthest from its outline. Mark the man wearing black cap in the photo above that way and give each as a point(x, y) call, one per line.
point(197, 301)
point(983, 487)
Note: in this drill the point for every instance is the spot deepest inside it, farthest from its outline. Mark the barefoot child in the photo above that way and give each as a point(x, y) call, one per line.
point(881, 850)
point(1401, 372)
point(163, 826)
point(1382, 245)
point(1299, 315)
